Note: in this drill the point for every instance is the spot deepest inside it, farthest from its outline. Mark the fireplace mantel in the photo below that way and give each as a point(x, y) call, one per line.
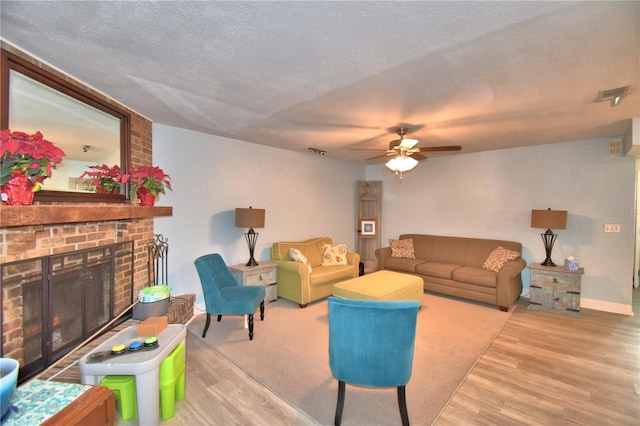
point(75, 213)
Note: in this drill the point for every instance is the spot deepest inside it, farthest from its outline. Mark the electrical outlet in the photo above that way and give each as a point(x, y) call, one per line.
point(612, 228)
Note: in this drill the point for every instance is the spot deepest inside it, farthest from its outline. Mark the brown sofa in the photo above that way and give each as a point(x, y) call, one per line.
point(454, 266)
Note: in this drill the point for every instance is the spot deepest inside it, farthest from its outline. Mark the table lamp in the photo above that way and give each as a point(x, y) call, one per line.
point(556, 219)
point(250, 218)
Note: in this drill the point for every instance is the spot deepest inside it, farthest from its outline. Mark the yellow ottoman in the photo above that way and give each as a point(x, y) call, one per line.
point(382, 285)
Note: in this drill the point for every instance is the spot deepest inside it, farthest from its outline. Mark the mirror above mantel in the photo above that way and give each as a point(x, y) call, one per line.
point(89, 129)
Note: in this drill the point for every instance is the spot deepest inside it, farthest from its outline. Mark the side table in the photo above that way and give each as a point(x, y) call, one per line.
point(555, 289)
point(49, 403)
point(262, 274)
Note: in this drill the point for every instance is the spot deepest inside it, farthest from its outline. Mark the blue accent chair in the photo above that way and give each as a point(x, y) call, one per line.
point(223, 295)
point(371, 344)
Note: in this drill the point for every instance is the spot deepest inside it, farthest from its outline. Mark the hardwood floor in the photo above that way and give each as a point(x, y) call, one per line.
point(542, 369)
point(218, 392)
point(546, 369)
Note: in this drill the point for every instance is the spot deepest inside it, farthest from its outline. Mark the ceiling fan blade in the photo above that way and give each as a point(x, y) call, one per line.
point(440, 148)
point(418, 157)
point(377, 156)
point(366, 149)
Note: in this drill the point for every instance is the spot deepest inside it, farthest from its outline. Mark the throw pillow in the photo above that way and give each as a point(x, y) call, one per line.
point(498, 257)
point(334, 255)
point(297, 256)
point(402, 248)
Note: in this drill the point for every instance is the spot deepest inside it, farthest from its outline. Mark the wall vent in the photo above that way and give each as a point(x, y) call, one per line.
point(615, 147)
point(317, 151)
point(613, 95)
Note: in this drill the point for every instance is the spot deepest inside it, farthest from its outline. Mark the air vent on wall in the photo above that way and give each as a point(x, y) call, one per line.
point(613, 95)
point(317, 151)
point(615, 147)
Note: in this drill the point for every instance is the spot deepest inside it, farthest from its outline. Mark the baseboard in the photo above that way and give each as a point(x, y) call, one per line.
point(599, 305)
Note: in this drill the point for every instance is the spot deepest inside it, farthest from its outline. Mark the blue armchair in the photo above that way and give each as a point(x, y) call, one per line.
point(371, 344)
point(223, 295)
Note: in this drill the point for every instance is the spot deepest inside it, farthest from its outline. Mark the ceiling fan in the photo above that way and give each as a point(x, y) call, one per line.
point(406, 154)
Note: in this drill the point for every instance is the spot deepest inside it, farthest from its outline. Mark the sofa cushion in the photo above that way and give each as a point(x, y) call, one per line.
point(322, 275)
point(437, 269)
point(311, 248)
point(475, 275)
point(402, 248)
point(334, 255)
point(498, 257)
point(402, 264)
point(297, 256)
point(435, 248)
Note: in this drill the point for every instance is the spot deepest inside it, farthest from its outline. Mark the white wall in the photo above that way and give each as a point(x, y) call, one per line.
point(304, 196)
point(487, 195)
point(491, 195)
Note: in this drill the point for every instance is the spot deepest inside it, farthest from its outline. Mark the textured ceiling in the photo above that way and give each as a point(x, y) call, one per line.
point(341, 75)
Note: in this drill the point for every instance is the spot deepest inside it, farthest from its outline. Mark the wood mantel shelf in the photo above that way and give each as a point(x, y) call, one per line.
point(74, 213)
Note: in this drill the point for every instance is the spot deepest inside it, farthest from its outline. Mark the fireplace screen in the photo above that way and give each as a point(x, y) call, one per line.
point(51, 304)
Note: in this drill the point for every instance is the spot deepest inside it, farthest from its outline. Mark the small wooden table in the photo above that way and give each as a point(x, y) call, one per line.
point(97, 406)
point(555, 289)
point(263, 274)
point(52, 403)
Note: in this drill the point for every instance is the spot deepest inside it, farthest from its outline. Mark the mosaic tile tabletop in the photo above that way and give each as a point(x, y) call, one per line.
point(36, 401)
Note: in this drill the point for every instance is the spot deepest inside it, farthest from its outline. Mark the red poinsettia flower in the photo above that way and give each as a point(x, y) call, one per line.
point(105, 179)
point(151, 177)
point(31, 155)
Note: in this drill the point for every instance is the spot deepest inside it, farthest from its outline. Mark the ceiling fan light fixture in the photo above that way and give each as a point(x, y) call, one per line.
point(401, 164)
point(391, 164)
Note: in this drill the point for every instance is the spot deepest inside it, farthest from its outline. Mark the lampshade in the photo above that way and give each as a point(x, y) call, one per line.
point(401, 163)
point(549, 219)
point(249, 218)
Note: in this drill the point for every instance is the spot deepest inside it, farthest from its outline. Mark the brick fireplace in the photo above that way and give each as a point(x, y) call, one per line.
point(46, 228)
point(54, 303)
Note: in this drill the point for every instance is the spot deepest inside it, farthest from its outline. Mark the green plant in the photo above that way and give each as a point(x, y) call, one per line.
point(31, 155)
point(150, 177)
point(105, 179)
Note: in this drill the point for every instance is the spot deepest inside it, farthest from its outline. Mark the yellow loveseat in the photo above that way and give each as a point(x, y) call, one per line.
point(297, 283)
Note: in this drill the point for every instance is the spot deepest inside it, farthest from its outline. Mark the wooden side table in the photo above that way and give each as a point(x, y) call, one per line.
point(94, 407)
point(50, 403)
point(555, 289)
point(262, 274)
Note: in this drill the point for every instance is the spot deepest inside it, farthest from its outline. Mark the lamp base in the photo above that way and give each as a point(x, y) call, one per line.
point(252, 237)
point(548, 262)
point(548, 238)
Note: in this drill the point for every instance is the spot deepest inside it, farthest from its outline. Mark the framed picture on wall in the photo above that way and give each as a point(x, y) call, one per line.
point(368, 227)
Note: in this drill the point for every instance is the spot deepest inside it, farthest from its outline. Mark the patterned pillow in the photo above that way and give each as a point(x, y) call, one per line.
point(402, 248)
point(334, 255)
point(498, 257)
point(297, 255)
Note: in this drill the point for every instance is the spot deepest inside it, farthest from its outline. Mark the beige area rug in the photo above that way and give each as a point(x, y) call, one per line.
point(289, 355)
